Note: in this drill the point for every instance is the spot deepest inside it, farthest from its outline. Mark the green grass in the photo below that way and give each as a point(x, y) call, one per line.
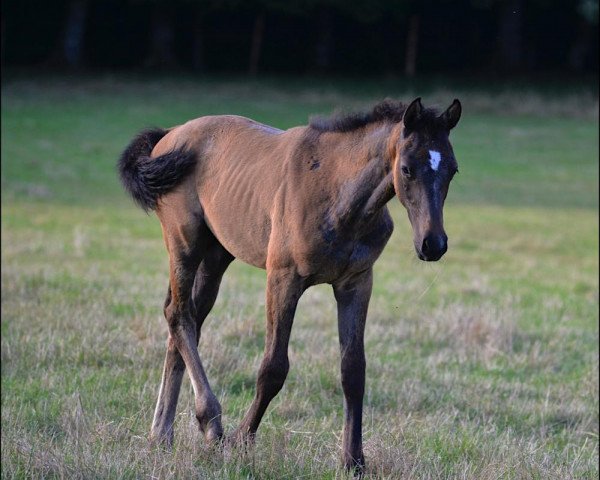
point(481, 366)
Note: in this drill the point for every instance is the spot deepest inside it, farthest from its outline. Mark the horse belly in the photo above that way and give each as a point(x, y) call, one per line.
point(241, 229)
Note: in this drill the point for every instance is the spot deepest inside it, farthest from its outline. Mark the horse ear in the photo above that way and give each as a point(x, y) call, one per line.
point(412, 114)
point(452, 115)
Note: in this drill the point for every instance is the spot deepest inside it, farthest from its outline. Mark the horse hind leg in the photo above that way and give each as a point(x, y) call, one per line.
point(187, 245)
point(208, 280)
point(164, 413)
point(205, 290)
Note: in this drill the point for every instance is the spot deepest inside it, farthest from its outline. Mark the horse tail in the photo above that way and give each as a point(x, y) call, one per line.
point(147, 179)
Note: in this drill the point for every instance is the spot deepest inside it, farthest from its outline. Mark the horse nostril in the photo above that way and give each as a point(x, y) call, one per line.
point(434, 246)
point(425, 248)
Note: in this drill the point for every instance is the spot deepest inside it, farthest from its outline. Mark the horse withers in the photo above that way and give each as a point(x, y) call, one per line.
point(307, 204)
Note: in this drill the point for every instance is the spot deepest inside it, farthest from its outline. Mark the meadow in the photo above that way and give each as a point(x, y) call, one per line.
point(481, 366)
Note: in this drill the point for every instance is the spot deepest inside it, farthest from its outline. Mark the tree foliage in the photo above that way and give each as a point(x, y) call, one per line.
point(378, 36)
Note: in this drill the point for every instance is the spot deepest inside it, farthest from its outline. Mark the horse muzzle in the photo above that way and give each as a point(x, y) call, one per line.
point(433, 247)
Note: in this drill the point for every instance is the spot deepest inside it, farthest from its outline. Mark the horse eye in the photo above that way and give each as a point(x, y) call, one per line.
point(405, 171)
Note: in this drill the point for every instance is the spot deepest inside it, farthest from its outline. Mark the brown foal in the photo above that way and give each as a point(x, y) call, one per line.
point(307, 204)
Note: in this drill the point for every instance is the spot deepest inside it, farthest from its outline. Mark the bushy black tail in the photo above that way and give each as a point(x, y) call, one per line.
point(145, 178)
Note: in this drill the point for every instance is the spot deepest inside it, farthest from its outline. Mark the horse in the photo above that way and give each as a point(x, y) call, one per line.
point(307, 204)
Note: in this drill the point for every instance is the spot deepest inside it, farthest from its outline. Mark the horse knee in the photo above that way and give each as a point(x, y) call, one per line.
point(171, 314)
point(177, 315)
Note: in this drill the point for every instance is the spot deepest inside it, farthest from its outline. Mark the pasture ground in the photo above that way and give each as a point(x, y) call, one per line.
point(482, 366)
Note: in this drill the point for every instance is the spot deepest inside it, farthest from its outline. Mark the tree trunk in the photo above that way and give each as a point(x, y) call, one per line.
point(257, 38)
point(161, 39)
point(412, 42)
point(509, 55)
point(2, 41)
point(579, 51)
point(72, 45)
point(198, 45)
point(324, 51)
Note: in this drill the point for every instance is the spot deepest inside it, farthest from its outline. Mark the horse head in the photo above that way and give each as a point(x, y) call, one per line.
point(423, 168)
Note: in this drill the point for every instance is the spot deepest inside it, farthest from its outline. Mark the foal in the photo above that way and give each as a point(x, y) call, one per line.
point(308, 205)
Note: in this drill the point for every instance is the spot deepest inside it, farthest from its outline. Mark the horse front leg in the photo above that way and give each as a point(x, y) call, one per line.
point(284, 288)
point(352, 296)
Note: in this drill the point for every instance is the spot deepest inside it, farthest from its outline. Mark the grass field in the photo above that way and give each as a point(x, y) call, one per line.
point(481, 366)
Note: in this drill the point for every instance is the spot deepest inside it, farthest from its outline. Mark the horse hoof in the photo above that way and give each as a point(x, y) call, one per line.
point(161, 439)
point(214, 435)
point(356, 466)
point(240, 439)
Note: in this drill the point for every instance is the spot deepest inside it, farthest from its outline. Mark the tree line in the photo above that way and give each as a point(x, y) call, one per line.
point(297, 36)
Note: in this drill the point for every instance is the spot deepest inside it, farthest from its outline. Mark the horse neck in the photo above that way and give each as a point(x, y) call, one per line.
point(369, 185)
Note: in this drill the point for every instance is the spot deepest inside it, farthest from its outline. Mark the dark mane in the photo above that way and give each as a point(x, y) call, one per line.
point(390, 111)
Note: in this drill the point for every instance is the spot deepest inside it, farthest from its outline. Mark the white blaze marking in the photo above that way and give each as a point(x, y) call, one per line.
point(434, 159)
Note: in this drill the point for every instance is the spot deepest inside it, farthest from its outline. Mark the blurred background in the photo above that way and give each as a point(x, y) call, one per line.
point(383, 37)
